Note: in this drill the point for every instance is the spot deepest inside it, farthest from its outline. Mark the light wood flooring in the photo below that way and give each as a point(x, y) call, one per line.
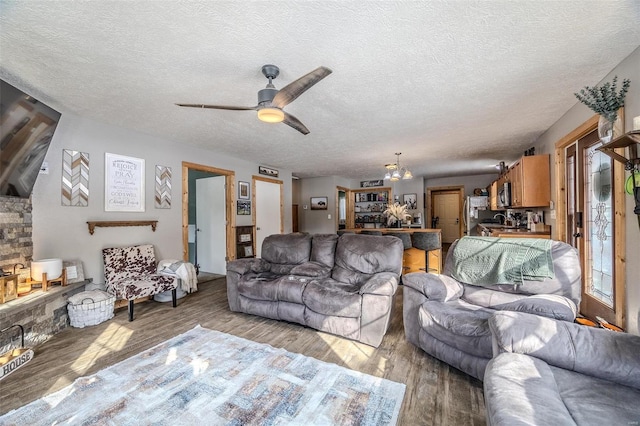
point(436, 394)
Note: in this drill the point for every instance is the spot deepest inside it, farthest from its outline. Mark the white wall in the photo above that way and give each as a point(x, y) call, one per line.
point(629, 68)
point(62, 231)
point(317, 221)
point(469, 182)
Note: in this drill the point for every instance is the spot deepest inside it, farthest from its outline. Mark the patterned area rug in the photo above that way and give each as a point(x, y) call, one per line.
point(204, 377)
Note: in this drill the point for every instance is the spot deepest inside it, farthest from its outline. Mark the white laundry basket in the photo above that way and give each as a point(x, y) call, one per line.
point(90, 308)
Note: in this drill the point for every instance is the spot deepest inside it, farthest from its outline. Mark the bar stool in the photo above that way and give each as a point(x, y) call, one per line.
point(405, 237)
point(368, 232)
point(427, 241)
point(342, 231)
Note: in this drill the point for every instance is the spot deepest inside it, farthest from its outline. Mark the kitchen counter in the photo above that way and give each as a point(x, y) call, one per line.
point(504, 231)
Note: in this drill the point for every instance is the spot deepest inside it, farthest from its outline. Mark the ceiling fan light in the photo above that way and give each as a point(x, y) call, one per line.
point(407, 175)
point(271, 115)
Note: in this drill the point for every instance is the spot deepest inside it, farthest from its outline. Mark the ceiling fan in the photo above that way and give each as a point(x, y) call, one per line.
point(271, 101)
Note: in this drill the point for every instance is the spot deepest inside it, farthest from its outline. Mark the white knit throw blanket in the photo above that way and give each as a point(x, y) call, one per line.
point(183, 270)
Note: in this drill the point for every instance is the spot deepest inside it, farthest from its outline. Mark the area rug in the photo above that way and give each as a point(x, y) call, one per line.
point(204, 377)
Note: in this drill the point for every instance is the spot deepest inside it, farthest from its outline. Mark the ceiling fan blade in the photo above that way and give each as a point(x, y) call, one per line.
point(233, 108)
point(291, 91)
point(292, 121)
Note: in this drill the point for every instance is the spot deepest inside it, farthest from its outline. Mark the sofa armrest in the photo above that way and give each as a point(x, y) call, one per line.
point(595, 352)
point(244, 266)
point(546, 305)
point(312, 269)
point(438, 287)
point(383, 283)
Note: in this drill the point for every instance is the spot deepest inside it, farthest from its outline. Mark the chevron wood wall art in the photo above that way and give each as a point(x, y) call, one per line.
point(163, 187)
point(75, 178)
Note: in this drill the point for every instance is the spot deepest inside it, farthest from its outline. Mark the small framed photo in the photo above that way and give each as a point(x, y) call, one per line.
point(248, 251)
point(411, 200)
point(319, 203)
point(244, 208)
point(245, 238)
point(73, 270)
point(243, 190)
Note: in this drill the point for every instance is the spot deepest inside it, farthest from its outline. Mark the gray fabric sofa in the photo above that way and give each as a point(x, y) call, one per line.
point(448, 319)
point(341, 285)
point(549, 372)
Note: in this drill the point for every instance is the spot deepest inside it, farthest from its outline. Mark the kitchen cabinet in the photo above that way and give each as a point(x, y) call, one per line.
point(530, 181)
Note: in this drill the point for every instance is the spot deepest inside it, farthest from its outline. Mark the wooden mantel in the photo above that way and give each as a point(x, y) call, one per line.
point(112, 223)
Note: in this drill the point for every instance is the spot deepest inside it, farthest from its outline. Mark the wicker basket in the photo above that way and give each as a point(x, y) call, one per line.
point(90, 308)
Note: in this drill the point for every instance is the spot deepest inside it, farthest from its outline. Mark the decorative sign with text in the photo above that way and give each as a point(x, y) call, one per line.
point(371, 183)
point(124, 184)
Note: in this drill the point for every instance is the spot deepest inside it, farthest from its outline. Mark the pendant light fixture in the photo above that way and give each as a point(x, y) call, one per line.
point(395, 172)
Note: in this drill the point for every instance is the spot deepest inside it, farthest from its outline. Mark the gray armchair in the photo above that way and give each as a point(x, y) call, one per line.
point(448, 318)
point(556, 372)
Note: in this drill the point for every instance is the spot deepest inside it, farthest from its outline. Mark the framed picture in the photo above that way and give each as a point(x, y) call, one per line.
point(411, 200)
point(74, 271)
point(244, 208)
point(243, 190)
point(319, 203)
point(248, 251)
point(123, 183)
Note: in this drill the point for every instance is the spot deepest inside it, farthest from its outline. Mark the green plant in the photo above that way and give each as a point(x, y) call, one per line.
point(605, 100)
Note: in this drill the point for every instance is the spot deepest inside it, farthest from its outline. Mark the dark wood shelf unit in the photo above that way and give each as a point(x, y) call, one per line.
point(245, 238)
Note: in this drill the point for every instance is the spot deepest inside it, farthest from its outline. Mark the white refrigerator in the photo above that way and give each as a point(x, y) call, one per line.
point(476, 210)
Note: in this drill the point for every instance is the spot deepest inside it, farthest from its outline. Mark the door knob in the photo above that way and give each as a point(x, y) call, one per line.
point(457, 220)
point(577, 235)
point(258, 228)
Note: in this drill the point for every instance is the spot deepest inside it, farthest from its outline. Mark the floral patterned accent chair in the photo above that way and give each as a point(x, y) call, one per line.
point(130, 273)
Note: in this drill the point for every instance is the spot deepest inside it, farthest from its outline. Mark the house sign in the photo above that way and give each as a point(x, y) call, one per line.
point(371, 183)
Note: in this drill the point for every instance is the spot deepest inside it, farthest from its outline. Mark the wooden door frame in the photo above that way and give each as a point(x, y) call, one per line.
point(347, 194)
point(619, 214)
point(229, 183)
point(429, 207)
point(255, 178)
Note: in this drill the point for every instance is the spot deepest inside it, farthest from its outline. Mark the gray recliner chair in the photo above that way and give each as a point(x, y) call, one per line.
point(448, 318)
point(554, 372)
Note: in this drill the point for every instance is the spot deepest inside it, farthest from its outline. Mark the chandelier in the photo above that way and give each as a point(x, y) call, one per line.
point(395, 172)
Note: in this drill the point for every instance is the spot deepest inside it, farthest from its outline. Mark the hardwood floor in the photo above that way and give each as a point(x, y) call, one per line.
point(436, 394)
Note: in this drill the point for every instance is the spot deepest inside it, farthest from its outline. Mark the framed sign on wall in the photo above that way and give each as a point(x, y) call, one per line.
point(123, 183)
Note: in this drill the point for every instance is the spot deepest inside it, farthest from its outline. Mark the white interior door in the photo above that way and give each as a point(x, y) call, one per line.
point(446, 206)
point(268, 213)
point(211, 225)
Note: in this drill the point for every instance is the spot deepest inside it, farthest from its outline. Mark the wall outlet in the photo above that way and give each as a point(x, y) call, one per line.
point(553, 214)
point(329, 216)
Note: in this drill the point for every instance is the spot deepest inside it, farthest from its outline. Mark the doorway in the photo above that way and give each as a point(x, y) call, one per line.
point(445, 211)
point(341, 207)
point(590, 217)
point(268, 212)
point(209, 190)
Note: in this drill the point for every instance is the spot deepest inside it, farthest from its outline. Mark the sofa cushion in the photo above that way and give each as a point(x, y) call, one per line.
point(594, 401)
point(330, 297)
point(323, 249)
point(358, 257)
point(461, 325)
point(273, 288)
point(284, 251)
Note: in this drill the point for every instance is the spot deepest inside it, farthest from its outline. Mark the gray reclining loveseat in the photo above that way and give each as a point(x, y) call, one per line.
point(448, 317)
point(549, 372)
point(341, 285)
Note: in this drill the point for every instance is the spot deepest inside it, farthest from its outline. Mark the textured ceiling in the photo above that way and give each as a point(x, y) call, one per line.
point(456, 86)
